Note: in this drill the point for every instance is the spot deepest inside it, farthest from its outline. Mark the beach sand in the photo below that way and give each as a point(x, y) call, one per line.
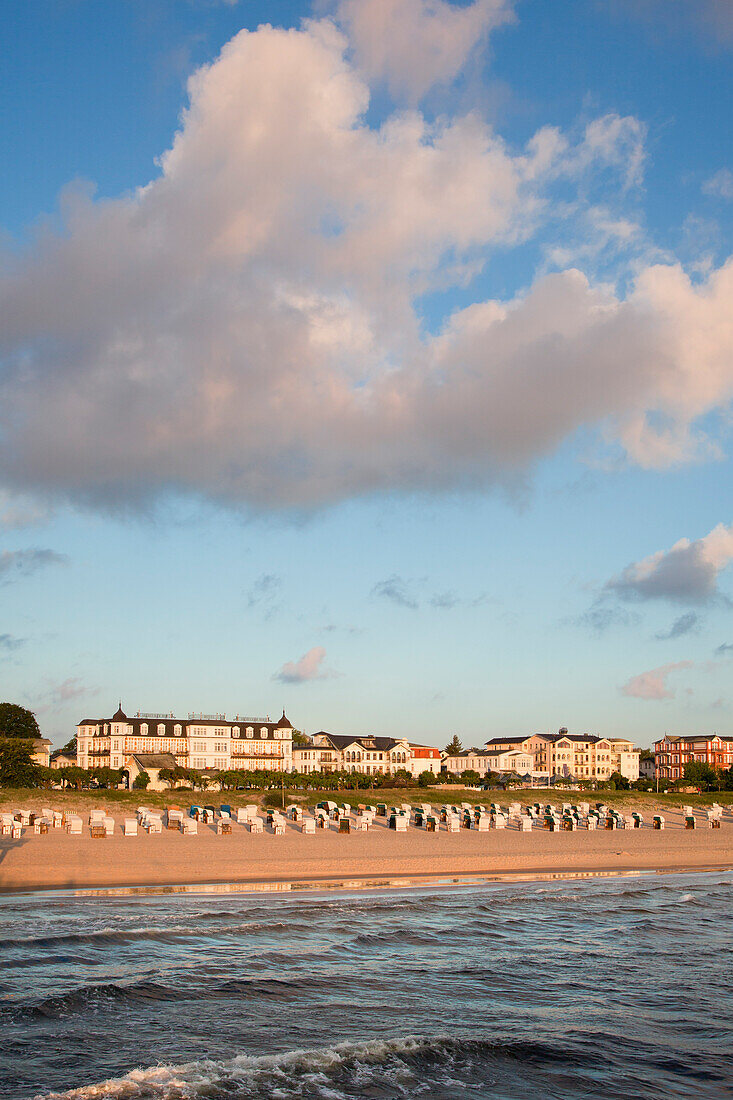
point(57, 860)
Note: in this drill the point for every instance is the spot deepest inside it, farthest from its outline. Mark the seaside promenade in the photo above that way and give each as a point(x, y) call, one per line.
point(57, 860)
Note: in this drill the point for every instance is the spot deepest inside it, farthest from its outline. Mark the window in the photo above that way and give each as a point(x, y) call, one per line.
point(177, 730)
point(161, 729)
point(143, 729)
point(235, 731)
point(263, 731)
point(250, 731)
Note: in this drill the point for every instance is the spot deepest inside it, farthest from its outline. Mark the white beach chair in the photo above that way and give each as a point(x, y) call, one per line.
point(73, 825)
point(153, 824)
point(482, 823)
point(47, 812)
point(96, 817)
point(109, 826)
point(590, 823)
point(189, 826)
point(256, 825)
point(252, 811)
point(308, 825)
point(58, 819)
point(499, 821)
point(129, 826)
point(525, 824)
point(453, 823)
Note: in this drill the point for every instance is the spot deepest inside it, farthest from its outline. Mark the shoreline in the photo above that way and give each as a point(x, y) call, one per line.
point(58, 861)
point(316, 884)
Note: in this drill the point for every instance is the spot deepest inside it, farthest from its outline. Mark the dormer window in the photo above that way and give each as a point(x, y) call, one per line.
point(263, 731)
point(161, 729)
point(250, 731)
point(144, 728)
point(235, 731)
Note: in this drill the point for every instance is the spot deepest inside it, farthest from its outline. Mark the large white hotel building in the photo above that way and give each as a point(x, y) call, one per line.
point(201, 741)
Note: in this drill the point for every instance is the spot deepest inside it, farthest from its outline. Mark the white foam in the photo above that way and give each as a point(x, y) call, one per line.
point(193, 1078)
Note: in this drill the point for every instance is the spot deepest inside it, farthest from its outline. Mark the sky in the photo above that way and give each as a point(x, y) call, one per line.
point(370, 359)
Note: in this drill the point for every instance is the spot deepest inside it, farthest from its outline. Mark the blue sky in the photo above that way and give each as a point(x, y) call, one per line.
point(389, 395)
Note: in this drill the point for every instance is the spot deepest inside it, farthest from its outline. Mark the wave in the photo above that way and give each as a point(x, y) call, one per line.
point(166, 934)
point(381, 1067)
point(87, 998)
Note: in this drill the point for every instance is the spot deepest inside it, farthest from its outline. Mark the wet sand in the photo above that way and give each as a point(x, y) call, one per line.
point(57, 860)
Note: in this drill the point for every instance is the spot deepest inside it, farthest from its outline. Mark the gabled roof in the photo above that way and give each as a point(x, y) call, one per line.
point(341, 741)
point(155, 760)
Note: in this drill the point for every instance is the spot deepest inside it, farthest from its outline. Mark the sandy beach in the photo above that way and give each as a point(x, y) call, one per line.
point(57, 860)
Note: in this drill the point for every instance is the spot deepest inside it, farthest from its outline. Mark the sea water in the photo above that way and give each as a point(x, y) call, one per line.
point(603, 987)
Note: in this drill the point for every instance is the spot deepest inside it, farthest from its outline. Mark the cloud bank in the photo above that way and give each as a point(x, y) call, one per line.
point(246, 328)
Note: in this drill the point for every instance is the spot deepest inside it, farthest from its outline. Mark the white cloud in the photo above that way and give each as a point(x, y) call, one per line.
point(411, 45)
point(246, 327)
point(688, 573)
point(653, 684)
point(720, 184)
point(309, 667)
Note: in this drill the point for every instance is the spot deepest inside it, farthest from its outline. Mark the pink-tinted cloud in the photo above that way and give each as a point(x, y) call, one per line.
point(246, 328)
point(309, 667)
point(411, 45)
point(654, 683)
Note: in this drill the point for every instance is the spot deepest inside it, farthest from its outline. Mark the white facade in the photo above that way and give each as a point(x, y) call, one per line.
point(484, 762)
point(199, 741)
point(365, 755)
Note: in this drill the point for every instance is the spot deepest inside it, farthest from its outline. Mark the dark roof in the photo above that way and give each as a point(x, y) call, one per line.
point(342, 740)
point(154, 760)
point(119, 715)
point(513, 740)
point(169, 724)
point(283, 724)
point(547, 737)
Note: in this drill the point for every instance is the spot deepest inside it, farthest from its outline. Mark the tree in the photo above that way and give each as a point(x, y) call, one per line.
point(107, 777)
point(618, 782)
point(700, 774)
point(16, 721)
point(70, 746)
point(141, 781)
point(471, 777)
point(454, 746)
point(300, 738)
point(427, 779)
point(17, 766)
point(73, 776)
